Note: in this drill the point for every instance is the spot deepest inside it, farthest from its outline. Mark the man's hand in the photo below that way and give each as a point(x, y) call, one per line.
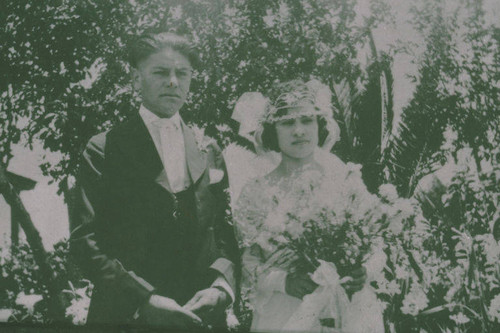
point(163, 311)
point(299, 284)
point(207, 302)
point(357, 281)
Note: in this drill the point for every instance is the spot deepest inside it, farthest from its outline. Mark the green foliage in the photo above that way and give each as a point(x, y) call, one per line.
point(466, 242)
point(457, 257)
point(48, 50)
point(67, 77)
point(456, 88)
point(367, 149)
point(20, 276)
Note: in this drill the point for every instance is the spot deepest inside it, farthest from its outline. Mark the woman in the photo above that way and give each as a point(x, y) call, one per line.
point(297, 121)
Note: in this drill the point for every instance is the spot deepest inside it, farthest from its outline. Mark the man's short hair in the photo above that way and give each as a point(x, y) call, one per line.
point(151, 42)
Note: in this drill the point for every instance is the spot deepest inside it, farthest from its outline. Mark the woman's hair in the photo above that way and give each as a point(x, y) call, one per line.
point(151, 42)
point(285, 96)
point(270, 136)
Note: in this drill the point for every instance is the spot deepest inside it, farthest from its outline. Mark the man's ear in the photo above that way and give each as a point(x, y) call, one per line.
point(136, 79)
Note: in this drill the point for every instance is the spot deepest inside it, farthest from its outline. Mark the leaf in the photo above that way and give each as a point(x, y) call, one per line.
point(5, 314)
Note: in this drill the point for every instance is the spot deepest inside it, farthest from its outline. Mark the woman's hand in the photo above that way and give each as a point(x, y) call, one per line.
point(208, 302)
point(357, 281)
point(299, 284)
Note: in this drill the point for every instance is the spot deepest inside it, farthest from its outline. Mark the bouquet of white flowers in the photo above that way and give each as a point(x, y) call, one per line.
point(336, 238)
point(338, 232)
point(326, 223)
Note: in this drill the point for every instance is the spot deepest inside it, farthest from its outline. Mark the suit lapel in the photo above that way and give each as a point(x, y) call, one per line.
point(136, 143)
point(196, 161)
point(162, 180)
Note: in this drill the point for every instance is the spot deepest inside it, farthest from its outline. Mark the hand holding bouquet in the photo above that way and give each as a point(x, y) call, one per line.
point(337, 234)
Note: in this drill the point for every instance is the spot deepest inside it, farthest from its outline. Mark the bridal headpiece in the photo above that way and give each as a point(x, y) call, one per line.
point(253, 109)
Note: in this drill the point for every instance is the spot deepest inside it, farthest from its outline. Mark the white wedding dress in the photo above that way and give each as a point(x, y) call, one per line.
point(256, 215)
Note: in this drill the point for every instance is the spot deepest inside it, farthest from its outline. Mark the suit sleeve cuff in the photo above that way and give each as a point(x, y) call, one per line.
point(221, 283)
point(142, 288)
point(138, 288)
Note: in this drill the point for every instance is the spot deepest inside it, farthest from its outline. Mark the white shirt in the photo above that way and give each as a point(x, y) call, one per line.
point(169, 142)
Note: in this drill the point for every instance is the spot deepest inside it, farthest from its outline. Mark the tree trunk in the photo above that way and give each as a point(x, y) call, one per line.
point(14, 228)
point(55, 304)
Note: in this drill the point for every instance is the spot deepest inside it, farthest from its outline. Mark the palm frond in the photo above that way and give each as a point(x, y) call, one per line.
point(409, 156)
point(398, 159)
point(345, 96)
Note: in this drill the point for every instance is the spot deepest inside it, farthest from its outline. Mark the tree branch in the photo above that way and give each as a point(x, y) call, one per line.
point(55, 304)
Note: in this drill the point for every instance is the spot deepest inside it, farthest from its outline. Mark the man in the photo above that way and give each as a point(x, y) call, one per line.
point(152, 236)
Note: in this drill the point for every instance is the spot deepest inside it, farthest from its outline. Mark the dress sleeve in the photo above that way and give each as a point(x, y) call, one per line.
point(227, 246)
point(260, 271)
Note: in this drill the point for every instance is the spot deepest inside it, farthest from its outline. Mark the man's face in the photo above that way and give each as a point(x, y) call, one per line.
point(163, 80)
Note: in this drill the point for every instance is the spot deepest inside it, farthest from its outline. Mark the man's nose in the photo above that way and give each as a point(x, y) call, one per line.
point(172, 80)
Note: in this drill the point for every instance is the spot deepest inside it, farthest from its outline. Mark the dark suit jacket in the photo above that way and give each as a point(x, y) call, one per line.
point(134, 237)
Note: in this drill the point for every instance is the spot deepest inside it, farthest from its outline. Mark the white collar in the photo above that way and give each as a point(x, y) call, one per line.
point(149, 117)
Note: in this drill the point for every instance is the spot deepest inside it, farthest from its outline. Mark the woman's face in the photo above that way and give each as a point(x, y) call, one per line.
point(298, 137)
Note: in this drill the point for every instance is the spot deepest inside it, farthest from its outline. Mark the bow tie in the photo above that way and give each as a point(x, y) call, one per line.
point(166, 123)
